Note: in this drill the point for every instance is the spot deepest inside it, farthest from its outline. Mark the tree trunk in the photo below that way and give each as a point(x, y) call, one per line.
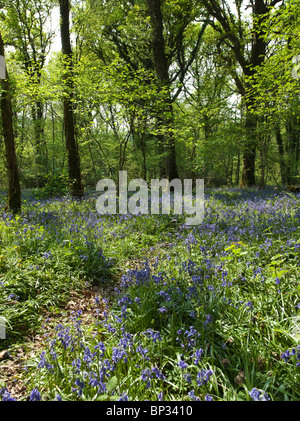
point(281, 154)
point(249, 154)
point(14, 189)
point(292, 132)
point(37, 117)
point(165, 113)
point(248, 170)
point(237, 171)
point(77, 189)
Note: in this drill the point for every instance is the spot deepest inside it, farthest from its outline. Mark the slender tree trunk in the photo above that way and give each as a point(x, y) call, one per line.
point(143, 147)
point(165, 114)
point(75, 179)
point(249, 154)
point(281, 154)
point(292, 132)
point(237, 171)
point(141, 144)
point(53, 139)
point(160, 170)
point(37, 117)
point(14, 189)
point(193, 164)
point(263, 162)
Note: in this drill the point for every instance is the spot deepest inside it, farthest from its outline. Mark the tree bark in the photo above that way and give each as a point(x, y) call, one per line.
point(14, 189)
point(249, 153)
point(165, 117)
point(37, 117)
point(292, 133)
point(282, 163)
point(77, 189)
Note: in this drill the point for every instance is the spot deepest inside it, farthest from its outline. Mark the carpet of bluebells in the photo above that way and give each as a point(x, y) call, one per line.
point(209, 312)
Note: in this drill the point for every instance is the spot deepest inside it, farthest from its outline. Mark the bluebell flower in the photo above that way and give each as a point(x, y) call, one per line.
point(197, 355)
point(164, 295)
point(97, 382)
point(203, 376)
point(190, 239)
point(101, 347)
point(158, 373)
point(162, 310)
point(189, 266)
point(13, 297)
point(249, 304)
point(289, 353)
point(124, 397)
point(80, 385)
point(76, 364)
point(53, 353)
point(118, 354)
point(154, 335)
point(142, 351)
point(160, 396)
point(93, 380)
point(88, 356)
point(191, 336)
point(78, 322)
point(47, 255)
point(207, 320)
point(193, 396)
point(108, 366)
point(126, 341)
point(43, 362)
point(6, 396)
point(258, 395)
point(64, 336)
point(146, 376)
point(188, 377)
point(197, 279)
point(35, 395)
point(182, 364)
point(110, 328)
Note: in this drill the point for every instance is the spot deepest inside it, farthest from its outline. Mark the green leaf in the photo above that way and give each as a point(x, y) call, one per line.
point(112, 384)
point(102, 398)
